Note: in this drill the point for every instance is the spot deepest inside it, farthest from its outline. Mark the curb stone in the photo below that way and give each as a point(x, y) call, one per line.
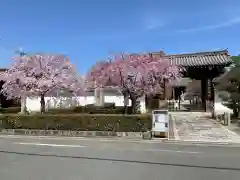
point(134, 135)
point(138, 136)
point(204, 142)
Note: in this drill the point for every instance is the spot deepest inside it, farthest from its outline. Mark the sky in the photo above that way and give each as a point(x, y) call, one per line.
point(92, 30)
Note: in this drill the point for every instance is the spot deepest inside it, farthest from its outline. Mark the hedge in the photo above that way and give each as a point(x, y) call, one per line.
point(83, 122)
point(10, 110)
point(89, 109)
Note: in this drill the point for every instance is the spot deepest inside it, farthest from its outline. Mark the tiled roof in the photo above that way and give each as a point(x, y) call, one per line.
point(199, 59)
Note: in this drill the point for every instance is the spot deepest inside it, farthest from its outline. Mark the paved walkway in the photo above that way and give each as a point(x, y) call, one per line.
point(199, 127)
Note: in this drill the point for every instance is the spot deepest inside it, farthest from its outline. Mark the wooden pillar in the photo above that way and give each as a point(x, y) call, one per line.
point(212, 90)
point(173, 93)
point(204, 92)
point(213, 102)
point(165, 89)
point(1, 100)
point(1, 94)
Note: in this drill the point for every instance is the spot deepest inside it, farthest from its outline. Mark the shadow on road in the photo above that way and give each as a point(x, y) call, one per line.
point(120, 160)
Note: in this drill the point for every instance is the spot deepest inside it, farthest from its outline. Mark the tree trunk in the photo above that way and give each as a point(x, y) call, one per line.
point(235, 112)
point(42, 104)
point(134, 103)
point(235, 109)
point(126, 101)
point(23, 104)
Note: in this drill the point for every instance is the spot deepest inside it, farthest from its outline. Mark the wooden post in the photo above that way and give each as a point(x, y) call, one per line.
point(213, 103)
point(173, 91)
point(0, 99)
point(204, 92)
point(165, 89)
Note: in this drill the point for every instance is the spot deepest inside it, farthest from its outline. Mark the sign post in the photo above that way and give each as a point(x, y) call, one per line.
point(160, 122)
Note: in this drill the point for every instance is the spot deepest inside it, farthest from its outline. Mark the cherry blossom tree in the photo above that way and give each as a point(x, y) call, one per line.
point(41, 75)
point(135, 75)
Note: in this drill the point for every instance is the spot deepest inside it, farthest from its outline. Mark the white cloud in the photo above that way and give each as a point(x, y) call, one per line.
point(152, 21)
point(153, 24)
point(213, 26)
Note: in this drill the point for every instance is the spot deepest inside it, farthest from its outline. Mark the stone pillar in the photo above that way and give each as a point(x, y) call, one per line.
point(96, 96)
point(227, 119)
point(101, 96)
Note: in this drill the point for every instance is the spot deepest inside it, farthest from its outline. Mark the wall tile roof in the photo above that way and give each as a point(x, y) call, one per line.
point(199, 59)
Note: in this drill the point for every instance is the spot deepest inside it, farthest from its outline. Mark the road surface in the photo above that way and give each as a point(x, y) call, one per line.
point(101, 159)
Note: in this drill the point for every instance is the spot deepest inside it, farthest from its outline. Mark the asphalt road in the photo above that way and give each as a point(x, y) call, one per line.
point(99, 159)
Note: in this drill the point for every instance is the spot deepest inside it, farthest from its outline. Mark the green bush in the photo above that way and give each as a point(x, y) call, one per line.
point(90, 109)
point(83, 122)
point(109, 105)
point(10, 110)
point(103, 110)
point(60, 111)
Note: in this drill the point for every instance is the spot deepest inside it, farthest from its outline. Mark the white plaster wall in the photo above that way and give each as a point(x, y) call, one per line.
point(33, 104)
point(118, 100)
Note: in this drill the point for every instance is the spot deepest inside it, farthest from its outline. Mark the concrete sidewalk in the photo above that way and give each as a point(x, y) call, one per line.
point(198, 126)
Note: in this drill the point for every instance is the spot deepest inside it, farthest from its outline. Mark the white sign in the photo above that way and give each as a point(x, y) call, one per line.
point(160, 121)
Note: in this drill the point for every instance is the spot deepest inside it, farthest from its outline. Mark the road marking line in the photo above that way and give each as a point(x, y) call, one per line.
point(172, 151)
point(79, 146)
point(51, 145)
point(72, 138)
point(177, 142)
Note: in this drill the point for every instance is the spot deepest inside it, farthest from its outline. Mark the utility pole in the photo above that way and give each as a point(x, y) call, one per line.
point(22, 53)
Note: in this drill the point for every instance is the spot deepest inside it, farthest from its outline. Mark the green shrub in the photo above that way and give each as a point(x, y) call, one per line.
point(103, 110)
point(10, 110)
point(83, 122)
point(109, 105)
point(60, 111)
point(90, 109)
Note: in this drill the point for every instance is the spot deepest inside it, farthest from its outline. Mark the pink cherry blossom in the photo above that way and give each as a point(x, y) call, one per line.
point(41, 75)
point(134, 74)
